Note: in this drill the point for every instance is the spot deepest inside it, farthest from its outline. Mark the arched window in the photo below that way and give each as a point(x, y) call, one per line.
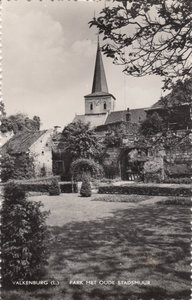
point(91, 106)
point(104, 105)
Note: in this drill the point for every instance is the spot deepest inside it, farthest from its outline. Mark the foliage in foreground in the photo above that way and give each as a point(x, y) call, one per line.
point(16, 167)
point(24, 236)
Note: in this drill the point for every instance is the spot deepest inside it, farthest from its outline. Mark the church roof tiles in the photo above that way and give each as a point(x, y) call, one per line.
point(136, 116)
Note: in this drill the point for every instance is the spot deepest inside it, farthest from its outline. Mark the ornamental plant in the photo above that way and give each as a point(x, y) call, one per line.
point(83, 166)
point(85, 187)
point(54, 189)
point(24, 236)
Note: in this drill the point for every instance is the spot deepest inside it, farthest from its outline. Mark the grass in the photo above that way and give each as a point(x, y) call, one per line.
point(122, 198)
point(143, 243)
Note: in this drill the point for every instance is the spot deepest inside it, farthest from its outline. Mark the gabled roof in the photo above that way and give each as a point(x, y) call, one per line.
point(21, 142)
point(136, 116)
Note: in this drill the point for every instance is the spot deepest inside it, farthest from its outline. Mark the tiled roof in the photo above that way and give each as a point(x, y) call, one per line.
point(136, 116)
point(21, 142)
point(94, 120)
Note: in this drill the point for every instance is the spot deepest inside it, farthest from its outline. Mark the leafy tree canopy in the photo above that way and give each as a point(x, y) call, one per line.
point(81, 141)
point(152, 125)
point(16, 167)
point(148, 37)
point(181, 93)
point(2, 109)
point(114, 137)
point(18, 123)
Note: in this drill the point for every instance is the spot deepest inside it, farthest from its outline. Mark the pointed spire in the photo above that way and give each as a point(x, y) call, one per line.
point(99, 80)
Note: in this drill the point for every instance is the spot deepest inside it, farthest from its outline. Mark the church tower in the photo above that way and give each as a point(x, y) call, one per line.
point(100, 101)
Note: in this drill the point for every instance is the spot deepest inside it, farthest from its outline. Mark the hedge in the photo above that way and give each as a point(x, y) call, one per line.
point(66, 187)
point(184, 180)
point(150, 190)
point(36, 187)
point(44, 187)
point(45, 180)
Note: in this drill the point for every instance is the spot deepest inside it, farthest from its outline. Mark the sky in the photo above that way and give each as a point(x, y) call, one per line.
point(48, 62)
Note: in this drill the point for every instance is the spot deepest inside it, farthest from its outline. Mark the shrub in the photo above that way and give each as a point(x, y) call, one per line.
point(83, 166)
point(85, 187)
point(54, 188)
point(24, 236)
point(184, 180)
point(176, 201)
point(152, 177)
point(146, 189)
point(36, 187)
point(153, 170)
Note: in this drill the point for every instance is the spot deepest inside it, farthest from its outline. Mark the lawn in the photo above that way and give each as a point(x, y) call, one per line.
point(148, 243)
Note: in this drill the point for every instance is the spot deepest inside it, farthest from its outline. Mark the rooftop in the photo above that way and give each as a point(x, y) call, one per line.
point(136, 116)
point(21, 142)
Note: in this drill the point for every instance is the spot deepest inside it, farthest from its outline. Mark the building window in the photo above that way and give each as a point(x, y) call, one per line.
point(91, 106)
point(105, 105)
point(42, 152)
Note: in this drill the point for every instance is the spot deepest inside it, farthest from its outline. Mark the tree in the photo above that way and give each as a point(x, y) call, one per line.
point(180, 94)
point(148, 37)
point(152, 125)
point(23, 235)
point(114, 137)
point(2, 109)
point(7, 167)
point(19, 122)
point(16, 167)
point(81, 141)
